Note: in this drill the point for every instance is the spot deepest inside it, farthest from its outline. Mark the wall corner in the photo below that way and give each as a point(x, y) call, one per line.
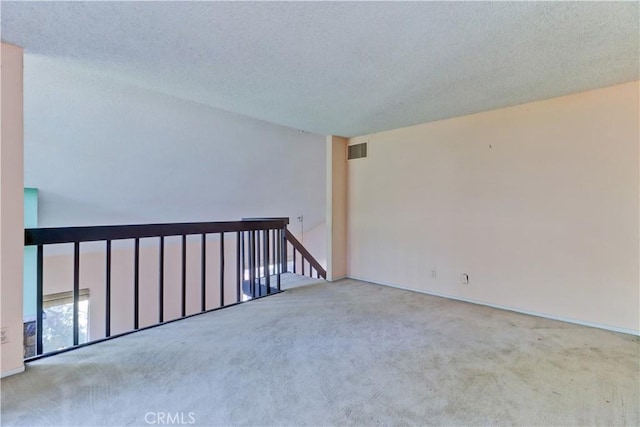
point(336, 215)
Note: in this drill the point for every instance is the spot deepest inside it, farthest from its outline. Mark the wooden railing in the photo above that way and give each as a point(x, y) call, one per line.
point(304, 256)
point(259, 260)
point(252, 259)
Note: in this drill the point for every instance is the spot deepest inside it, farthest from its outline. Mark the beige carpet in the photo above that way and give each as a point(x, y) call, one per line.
point(348, 353)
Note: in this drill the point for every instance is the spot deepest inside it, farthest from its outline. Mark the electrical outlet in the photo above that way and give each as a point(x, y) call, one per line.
point(434, 274)
point(464, 279)
point(4, 335)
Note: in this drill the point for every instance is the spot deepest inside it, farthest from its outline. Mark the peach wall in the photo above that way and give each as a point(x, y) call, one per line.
point(537, 203)
point(11, 209)
point(336, 207)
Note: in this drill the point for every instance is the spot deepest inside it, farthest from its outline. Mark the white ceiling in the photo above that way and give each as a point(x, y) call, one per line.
point(341, 68)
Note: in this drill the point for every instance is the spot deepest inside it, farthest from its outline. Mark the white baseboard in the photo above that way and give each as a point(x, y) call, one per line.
point(12, 372)
point(503, 307)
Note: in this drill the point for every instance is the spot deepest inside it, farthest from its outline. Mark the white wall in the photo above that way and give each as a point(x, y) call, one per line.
point(11, 209)
point(314, 241)
point(538, 203)
point(104, 152)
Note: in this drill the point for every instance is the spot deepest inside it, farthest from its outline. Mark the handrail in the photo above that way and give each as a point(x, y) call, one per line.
point(297, 246)
point(260, 253)
point(47, 236)
point(260, 260)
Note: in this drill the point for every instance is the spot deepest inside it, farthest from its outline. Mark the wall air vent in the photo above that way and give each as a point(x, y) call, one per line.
point(357, 151)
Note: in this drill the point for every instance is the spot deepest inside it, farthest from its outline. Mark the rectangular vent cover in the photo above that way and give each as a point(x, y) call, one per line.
point(357, 151)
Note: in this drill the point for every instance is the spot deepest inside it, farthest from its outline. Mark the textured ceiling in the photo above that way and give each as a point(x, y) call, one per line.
point(341, 68)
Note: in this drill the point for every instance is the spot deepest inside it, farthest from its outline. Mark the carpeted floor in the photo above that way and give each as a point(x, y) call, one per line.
point(345, 353)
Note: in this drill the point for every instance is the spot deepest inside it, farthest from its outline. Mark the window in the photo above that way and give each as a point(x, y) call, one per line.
point(57, 323)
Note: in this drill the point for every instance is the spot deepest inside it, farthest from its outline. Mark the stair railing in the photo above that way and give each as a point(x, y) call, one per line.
point(297, 264)
point(305, 256)
point(260, 253)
